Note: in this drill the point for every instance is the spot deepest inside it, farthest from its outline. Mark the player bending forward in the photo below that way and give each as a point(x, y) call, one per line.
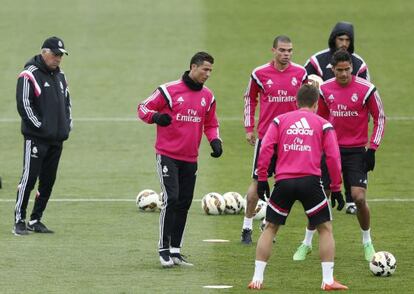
point(300, 137)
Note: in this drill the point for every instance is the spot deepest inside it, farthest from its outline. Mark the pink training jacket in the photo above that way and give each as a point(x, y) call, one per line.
point(277, 90)
point(348, 109)
point(301, 137)
point(192, 113)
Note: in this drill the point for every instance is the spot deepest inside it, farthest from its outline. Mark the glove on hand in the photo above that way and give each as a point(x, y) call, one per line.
point(369, 160)
point(337, 196)
point(263, 190)
point(161, 119)
point(217, 149)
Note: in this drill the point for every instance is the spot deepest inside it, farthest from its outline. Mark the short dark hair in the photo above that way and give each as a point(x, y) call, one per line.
point(307, 95)
point(341, 55)
point(200, 57)
point(282, 39)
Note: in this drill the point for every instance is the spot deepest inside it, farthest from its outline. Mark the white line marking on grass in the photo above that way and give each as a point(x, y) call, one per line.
point(134, 119)
point(217, 286)
point(216, 241)
point(411, 199)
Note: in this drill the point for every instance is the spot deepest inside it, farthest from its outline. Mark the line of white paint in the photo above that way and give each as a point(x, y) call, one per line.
point(411, 199)
point(133, 119)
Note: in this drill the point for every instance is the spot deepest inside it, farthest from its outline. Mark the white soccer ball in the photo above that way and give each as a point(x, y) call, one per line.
point(233, 202)
point(213, 203)
point(315, 79)
point(383, 264)
point(260, 211)
point(147, 200)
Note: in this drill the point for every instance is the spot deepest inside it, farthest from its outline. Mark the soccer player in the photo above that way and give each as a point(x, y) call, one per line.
point(347, 102)
point(300, 137)
point(341, 37)
point(182, 110)
point(274, 86)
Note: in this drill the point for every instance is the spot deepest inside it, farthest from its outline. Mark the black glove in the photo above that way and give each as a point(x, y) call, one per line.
point(369, 160)
point(217, 149)
point(161, 119)
point(337, 196)
point(263, 189)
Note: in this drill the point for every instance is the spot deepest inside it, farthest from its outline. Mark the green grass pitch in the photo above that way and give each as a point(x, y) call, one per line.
point(120, 51)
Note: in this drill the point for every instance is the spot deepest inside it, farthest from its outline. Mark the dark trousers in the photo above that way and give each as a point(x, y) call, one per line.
point(39, 161)
point(177, 180)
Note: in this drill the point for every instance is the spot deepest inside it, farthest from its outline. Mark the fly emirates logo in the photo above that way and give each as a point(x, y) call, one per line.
point(342, 111)
point(191, 116)
point(300, 127)
point(282, 96)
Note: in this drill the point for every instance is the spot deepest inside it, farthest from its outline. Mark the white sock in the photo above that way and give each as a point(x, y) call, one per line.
point(308, 237)
point(174, 250)
point(248, 223)
point(327, 272)
point(259, 268)
point(366, 236)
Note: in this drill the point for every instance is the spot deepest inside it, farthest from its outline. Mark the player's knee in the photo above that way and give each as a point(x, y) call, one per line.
point(359, 200)
point(271, 226)
point(325, 227)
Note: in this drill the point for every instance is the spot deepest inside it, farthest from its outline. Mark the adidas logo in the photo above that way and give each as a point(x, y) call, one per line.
point(180, 100)
point(269, 82)
point(46, 85)
point(300, 127)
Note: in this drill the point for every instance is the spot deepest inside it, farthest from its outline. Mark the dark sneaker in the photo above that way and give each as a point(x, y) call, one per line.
point(246, 236)
point(38, 227)
point(165, 259)
point(179, 259)
point(20, 229)
point(351, 209)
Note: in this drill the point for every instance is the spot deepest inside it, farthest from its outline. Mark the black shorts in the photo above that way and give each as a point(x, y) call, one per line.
point(353, 169)
point(308, 190)
point(272, 166)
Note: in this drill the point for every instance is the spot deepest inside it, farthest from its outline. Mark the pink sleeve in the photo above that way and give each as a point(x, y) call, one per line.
point(151, 105)
point(376, 110)
point(267, 150)
point(333, 157)
point(250, 103)
point(323, 109)
point(211, 124)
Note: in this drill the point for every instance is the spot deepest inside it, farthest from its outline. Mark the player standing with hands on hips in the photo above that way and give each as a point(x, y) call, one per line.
point(274, 86)
point(300, 137)
point(182, 110)
point(43, 103)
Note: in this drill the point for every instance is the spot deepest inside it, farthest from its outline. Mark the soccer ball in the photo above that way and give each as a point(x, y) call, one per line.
point(315, 78)
point(213, 203)
point(233, 202)
point(383, 264)
point(147, 200)
point(260, 211)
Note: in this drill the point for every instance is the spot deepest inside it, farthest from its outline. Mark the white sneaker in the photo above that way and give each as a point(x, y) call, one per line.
point(178, 259)
point(165, 259)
